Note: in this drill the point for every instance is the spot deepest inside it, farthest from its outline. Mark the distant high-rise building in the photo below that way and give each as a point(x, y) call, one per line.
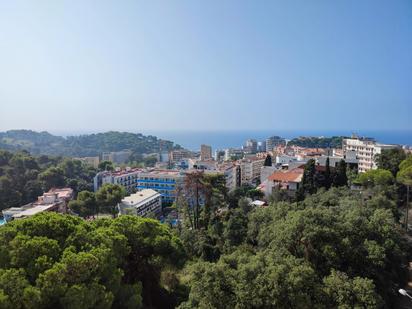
point(219, 155)
point(261, 147)
point(231, 153)
point(179, 154)
point(274, 141)
point(250, 146)
point(205, 152)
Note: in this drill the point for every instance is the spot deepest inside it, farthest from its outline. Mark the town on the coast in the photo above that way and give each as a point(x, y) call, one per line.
point(263, 167)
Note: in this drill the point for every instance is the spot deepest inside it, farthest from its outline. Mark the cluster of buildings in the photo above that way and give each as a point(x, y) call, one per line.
point(54, 200)
point(288, 164)
point(117, 157)
point(149, 188)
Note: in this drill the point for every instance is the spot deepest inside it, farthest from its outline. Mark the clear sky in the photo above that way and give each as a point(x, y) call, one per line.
point(205, 65)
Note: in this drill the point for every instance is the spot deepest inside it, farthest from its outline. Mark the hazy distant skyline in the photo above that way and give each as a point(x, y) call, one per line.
point(211, 65)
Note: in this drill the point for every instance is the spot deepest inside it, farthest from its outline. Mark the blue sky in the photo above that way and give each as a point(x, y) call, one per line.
point(206, 65)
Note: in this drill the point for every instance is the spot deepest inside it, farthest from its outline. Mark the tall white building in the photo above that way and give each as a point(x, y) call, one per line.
point(365, 149)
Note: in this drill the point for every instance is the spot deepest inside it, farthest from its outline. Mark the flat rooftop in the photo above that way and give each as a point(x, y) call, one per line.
point(140, 197)
point(34, 210)
point(162, 172)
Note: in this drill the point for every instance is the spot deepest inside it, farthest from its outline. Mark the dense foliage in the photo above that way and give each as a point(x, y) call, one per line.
point(318, 142)
point(334, 249)
point(24, 177)
point(390, 159)
point(104, 201)
point(327, 247)
point(57, 261)
point(82, 145)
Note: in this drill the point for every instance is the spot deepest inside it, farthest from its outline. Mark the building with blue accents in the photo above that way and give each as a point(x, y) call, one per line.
point(163, 181)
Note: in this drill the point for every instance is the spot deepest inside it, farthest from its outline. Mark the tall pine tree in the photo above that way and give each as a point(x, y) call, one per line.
point(268, 160)
point(308, 180)
point(340, 179)
point(328, 177)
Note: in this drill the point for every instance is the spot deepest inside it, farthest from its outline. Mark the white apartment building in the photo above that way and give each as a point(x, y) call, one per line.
point(141, 203)
point(232, 152)
point(365, 149)
point(232, 175)
point(126, 178)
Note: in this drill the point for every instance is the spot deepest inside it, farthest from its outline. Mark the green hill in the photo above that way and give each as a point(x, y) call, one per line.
point(39, 143)
point(317, 142)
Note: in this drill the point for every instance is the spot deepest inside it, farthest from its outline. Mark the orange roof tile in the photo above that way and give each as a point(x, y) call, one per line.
point(294, 175)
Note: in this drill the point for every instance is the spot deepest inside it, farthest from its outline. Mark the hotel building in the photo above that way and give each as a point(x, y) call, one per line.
point(141, 203)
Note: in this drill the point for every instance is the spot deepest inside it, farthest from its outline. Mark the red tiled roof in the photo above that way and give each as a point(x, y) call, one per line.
point(294, 175)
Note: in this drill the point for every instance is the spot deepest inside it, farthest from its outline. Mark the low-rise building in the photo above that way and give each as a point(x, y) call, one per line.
point(54, 200)
point(350, 159)
point(117, 157)
point(202, 164)
point(284, 179)
point(141, 203)
point(93, 161)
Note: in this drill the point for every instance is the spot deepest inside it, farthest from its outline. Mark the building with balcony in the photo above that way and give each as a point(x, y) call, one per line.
point(250, 169)
point(365, 149)
point(274, 141)
point(164, 182)
point(126, 178)
point(141, 203)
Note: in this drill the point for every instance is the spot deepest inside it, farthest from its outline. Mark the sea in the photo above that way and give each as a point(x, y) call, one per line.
point(235, 139)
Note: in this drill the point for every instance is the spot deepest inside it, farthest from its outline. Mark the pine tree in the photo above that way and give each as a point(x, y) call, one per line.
point(340, 179)
point(268, 160)
point(308, 180)
point(328, 180)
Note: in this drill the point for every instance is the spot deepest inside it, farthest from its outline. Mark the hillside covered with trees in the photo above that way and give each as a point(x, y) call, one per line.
point(24, 177)
point(317, 142)
point(327, 247)
point(44, 143)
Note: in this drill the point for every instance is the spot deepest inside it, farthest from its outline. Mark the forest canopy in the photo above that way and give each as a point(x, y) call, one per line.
point(44, 143)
